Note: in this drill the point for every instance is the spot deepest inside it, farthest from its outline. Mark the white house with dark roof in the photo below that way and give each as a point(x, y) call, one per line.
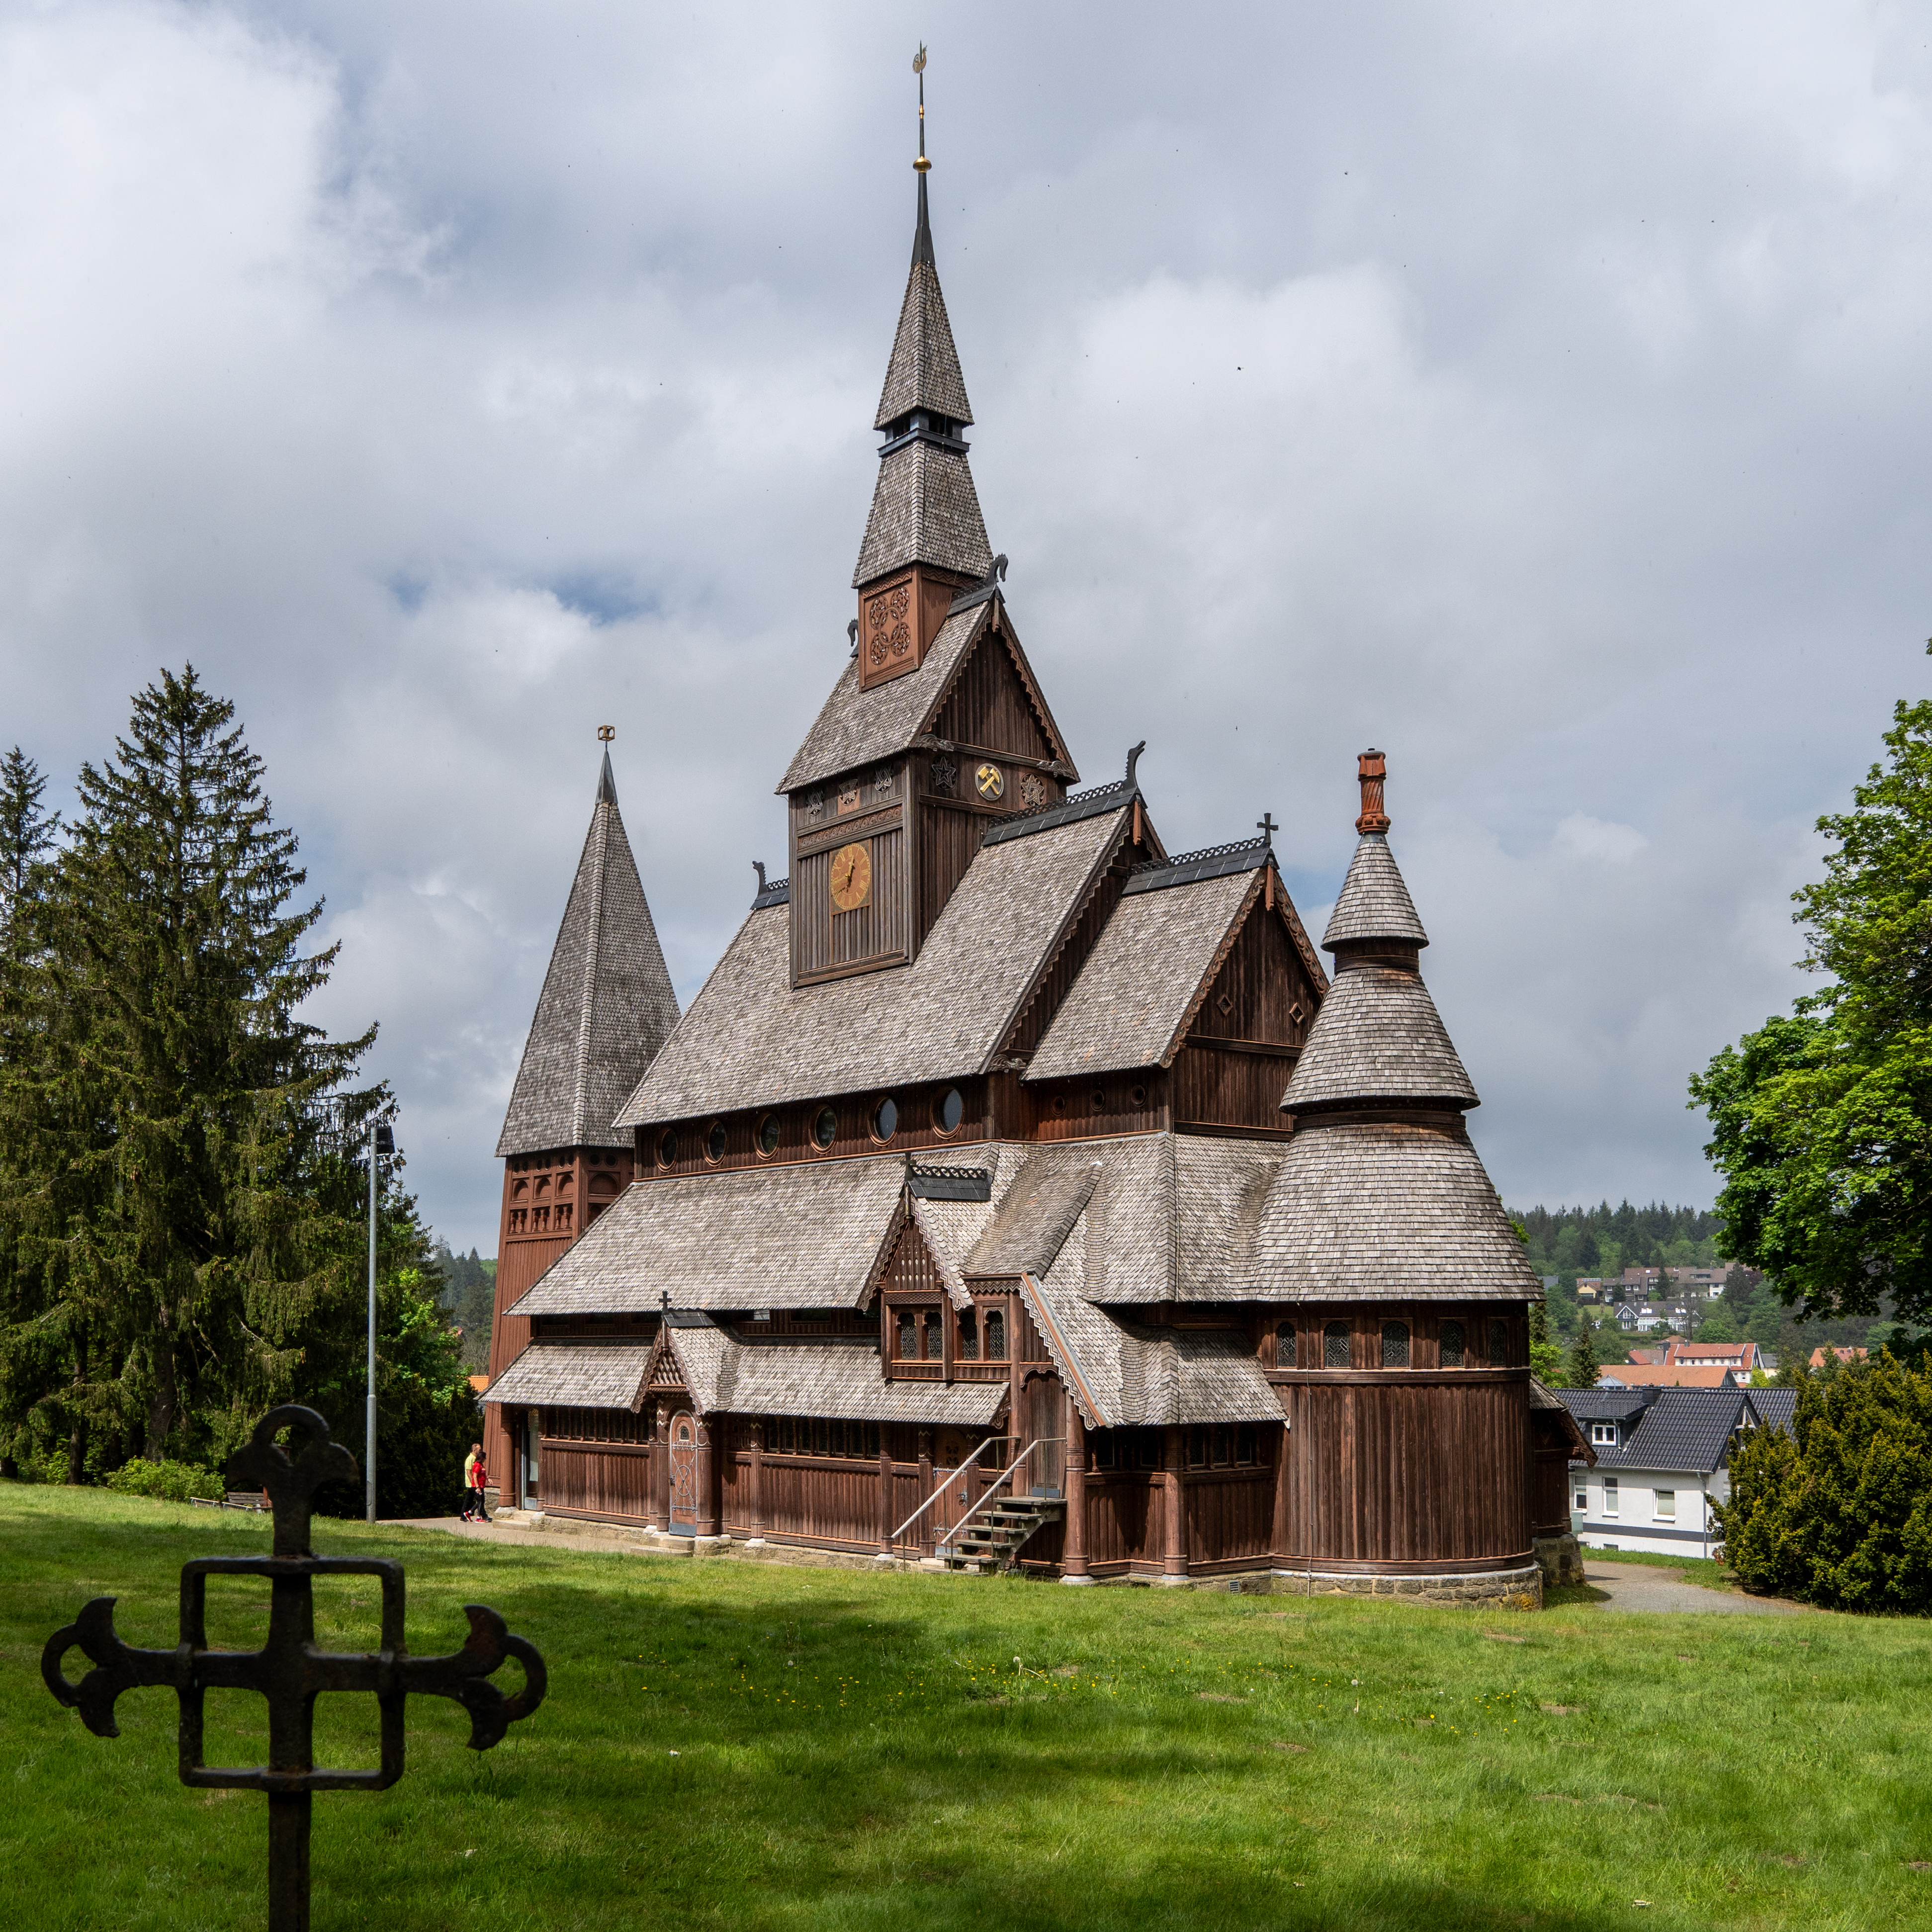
point(1013, 1187)
point(1662, 1460)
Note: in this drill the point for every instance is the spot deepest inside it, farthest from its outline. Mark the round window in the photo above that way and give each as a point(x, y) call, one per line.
point(885, 1119)
point(768, 1134)
point(825, 1128)
point(667, 1147)
point(1139, 1096)
point(1100, 1101)
point(714, 1141)
point(950, 1111)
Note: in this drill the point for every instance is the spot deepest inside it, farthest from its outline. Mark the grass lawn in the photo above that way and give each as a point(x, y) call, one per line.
point(753, 1746)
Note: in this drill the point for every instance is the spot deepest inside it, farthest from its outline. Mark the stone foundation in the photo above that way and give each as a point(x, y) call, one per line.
point(1560, 1560)
point(1518, 1589)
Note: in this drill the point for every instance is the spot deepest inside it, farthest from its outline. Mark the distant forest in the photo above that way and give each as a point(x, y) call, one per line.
point(1567, 1242)
point(469, 1293)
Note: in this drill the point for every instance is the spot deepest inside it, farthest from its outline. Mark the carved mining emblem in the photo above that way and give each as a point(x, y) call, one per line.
point(990, 781)
point(1033, 790)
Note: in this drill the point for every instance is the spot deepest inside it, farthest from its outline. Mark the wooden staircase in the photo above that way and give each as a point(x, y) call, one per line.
point(991, 1541)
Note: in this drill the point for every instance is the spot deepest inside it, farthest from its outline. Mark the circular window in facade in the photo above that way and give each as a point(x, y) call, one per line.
point(825, 1128)
point(949, 1110)
point(768, 1135)
point(1099, 1100)
point(886, 1119)
point(1139, 1096)
point(667, 1147)
point(714, 1141)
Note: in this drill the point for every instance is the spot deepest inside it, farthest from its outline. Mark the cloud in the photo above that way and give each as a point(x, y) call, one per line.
point(1538, 397)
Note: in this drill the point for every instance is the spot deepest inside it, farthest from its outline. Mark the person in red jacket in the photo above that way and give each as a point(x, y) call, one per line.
point(475, 1480)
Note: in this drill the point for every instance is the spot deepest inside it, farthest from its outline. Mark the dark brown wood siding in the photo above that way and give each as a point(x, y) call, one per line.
point(1402, 1473)
point(1225, 1087)
point(988, 708)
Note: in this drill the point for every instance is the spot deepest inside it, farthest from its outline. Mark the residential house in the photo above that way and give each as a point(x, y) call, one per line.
point(1742, 1357)
point(1843, 1355)
point(1664, 1375)
point(1662, 1463)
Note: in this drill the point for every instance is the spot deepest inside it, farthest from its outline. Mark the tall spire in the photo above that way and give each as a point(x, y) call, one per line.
point(607, 1005)
point(924, 509)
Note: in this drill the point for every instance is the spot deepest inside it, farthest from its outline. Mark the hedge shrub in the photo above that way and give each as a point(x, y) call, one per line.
point(173, 1482)
point(1839, 1512)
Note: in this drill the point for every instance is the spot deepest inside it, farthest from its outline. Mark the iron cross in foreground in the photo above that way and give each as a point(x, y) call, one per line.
point(289, 1670)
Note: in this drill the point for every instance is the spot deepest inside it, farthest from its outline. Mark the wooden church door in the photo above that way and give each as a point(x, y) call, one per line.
point(683, 1469)
point(1045, 1410)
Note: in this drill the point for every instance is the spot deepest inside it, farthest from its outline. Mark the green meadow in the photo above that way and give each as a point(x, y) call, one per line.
point(732, 1745)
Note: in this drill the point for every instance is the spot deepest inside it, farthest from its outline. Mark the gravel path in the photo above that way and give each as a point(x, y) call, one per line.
point(1633, 1586)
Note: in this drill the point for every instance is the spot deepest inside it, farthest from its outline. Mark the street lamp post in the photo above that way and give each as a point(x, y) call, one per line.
point(382, 1140)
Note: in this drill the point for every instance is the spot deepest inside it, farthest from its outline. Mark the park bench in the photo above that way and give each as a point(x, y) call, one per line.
point(240, 1499)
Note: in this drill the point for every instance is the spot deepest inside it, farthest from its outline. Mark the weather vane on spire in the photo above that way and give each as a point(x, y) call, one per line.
point(922, 166)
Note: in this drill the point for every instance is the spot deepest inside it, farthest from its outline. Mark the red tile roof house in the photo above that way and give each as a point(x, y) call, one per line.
point(1663, 1374)
point(1843, 1355)
point(1742, 1356)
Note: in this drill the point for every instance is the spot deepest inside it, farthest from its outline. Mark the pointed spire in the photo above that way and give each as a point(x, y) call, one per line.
point(607, 1005)
point(924, 509)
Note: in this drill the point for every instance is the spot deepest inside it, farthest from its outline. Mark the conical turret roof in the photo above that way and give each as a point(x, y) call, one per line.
point(607, 1005)
point(1377, 1037)
point(1374, 903)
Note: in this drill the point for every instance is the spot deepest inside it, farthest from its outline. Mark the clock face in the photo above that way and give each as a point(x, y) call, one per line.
point(990, 781)
point(851, 878)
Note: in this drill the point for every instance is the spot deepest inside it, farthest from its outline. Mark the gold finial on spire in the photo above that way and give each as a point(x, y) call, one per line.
point(606, 732)
point(922, 166)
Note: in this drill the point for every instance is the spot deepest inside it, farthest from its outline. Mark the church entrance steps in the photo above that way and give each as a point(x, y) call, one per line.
point(992, 1539)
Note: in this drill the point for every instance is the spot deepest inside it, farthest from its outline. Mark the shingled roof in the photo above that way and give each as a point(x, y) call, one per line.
point(1142, 984)
point(1378, 1036)
point(576, 1375)
point(1379, 1211)
point(925, 510)
point(806, 1234)
point(752, 1039)
point(607, 1005)
point(1678, 1430)
point(923, 372)
point(1123, 1376)
point(857, 728)
point(1375, 902)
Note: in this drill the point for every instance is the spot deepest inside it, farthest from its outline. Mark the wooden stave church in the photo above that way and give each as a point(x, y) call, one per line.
point(997, 1125)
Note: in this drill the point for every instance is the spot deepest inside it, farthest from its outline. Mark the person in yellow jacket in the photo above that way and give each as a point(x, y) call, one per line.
point(475, 1476)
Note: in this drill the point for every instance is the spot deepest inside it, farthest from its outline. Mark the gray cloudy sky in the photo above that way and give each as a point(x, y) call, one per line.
point(1536, 392)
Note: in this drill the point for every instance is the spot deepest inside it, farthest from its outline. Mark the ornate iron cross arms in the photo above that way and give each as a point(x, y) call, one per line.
point(289, 1670)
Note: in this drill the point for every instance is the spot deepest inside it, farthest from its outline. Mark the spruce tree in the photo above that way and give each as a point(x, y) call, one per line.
point(163, 1132)
point(26, 837)
point(1580, 1371)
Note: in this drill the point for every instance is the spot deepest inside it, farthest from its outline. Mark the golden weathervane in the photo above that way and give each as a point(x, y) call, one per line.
point(922, 165)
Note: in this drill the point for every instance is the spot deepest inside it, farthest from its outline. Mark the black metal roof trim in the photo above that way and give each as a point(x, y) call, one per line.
point(1214, 862)
point(687, 1317)
point(778, 892)
point(1075, 805)
point(948, 1183)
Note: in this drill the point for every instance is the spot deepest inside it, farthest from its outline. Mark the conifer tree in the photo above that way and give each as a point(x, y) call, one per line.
point(26, 835)
point(1580, 1370)
point(160, 1134)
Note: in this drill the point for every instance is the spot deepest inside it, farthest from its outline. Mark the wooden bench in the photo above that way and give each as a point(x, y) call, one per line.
point(240, 1499)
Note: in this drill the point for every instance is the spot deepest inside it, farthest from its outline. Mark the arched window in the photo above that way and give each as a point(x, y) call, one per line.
point(969, 1336)
point(1335, 1350)
point(908, 1341)
point(1395, 1345)
point(1499, 1347)
point(996, 1334)
point(1451, 1346)
point(933, 1347)
point(1284, 1345)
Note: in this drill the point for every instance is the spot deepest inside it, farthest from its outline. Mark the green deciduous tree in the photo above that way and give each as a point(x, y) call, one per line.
point(1839, 1512)
point(1822, 1120)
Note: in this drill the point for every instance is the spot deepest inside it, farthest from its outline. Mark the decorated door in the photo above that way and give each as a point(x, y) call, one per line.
point(683, 1469)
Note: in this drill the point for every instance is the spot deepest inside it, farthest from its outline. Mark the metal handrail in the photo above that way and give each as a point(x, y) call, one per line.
point(1038, 1442)
point(941, 1490)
